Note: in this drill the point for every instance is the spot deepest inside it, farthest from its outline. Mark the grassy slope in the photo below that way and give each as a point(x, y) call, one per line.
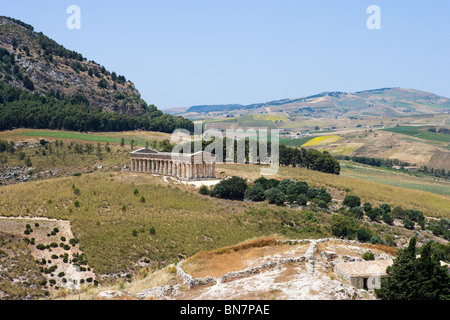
point(394, 177)
point(185, 222)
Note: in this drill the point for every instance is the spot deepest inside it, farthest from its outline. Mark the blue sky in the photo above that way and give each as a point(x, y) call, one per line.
point(181, 53)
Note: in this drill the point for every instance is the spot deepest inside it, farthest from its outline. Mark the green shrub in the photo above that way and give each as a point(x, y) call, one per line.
point(322, 204)
point(376, 240)
point(152, 230)
point(297, 188)
point(364, 234)
point(275, 196)
point(302, 200)
point(408, 224)
point(390, 241)
point(375, 214)
point(40, 247)
point(135, 233)
point(142, 199)
point(367, 207)
point(385, 208)
point(285, 184)
point(61, 274)
point(352, 201)
point(204, 190)
point(135, 191)
point(368, 255)
point(343, 226)
point(76, 204)
point(387, 218)
point(399, 213)
point(357, 212)
point(255, 193)
point(233, 188)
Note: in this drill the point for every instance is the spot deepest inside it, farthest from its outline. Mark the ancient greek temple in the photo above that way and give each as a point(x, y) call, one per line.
point(197, 166)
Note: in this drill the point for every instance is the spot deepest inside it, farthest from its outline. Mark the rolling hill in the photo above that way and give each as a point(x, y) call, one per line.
point(388, 102)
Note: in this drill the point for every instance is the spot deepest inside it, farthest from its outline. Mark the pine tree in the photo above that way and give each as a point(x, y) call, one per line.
point(415, 279)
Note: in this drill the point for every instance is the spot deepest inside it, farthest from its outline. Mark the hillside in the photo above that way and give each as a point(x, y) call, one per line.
point(44, 85)
point(388, 102)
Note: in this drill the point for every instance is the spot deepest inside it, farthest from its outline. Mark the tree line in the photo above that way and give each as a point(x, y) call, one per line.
point(22, 109)
point(375, 162)
point(288, 156)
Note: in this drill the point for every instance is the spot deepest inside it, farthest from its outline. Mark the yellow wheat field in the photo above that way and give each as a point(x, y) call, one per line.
point(322, 140)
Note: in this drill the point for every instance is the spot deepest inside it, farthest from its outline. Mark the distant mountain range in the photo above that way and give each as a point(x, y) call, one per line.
point(378, 102)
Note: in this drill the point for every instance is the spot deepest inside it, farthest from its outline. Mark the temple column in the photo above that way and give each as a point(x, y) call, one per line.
point(170, 168)
point(213, 174)
point(151, 165)
point(138, 165)
point(145, 165)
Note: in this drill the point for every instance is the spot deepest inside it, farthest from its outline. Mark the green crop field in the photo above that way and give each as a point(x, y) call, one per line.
point(394, 177)
point(421, 133)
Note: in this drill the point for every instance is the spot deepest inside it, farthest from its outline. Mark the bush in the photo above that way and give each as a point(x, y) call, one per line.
point(387, 218)
point(364, 234)
point(285, 184)
point(297, 188)
point(255, 193)
point(399, 213)
point(152, 230)
point(376, 240)
point(357, 212)
point(375, 214)
point(302, 200)
point(204, 190)
point(275, 196)
point(390, 241)
point(233, 188)
point(61, 274)
point(324, 196)
point(408, 224)
point(135, 233)
point(367, 207)
point(312, 193)
point(385, 208)
point(343, 226)
point(77, 205)
point(322, 204)
point(40, 247)
point(368, 255)
point(142, 199)
point(135, 191)
point(352, 201)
